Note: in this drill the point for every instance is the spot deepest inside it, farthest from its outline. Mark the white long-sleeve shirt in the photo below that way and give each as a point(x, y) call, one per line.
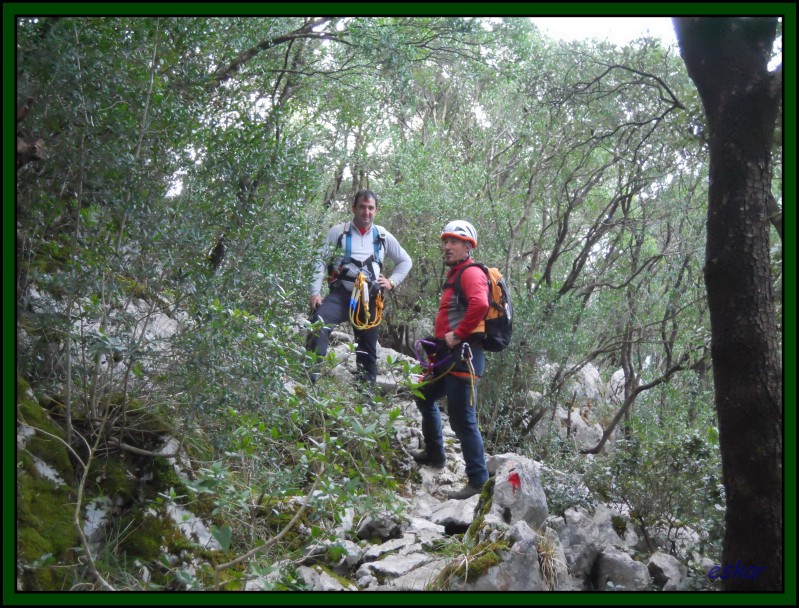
point(362, 248)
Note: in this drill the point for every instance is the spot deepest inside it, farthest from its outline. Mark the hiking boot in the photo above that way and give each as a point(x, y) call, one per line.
point(466, 491)
point(423, 458)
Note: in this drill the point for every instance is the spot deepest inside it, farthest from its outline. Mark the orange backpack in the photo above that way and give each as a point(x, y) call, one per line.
point(499, 318)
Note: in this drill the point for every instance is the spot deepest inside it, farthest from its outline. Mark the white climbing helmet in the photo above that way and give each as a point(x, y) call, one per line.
point(461, 229)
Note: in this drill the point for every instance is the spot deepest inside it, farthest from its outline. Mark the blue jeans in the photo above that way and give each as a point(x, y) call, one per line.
point(462, 418)
point(335, 309)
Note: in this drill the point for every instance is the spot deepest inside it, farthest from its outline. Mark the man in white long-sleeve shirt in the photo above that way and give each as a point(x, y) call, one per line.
point(352, 247)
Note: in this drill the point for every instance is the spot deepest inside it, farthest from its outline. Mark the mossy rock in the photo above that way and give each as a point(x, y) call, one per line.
point(619, 525)
point(44, 528)
point(145, 534)
point(144, 427)
point(45, 508)
point(489, 557)
point(231, 579)
point(113, 479)
point(48, 449)
point(457, 572)
point(342, 580)
point(279, 511)
point(483, 507)
point(41, 325)
point(163, 478)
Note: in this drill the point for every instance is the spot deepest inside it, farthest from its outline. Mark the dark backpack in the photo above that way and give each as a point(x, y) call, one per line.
point(499, 318)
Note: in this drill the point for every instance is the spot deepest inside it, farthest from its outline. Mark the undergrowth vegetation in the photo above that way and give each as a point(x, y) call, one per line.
point(166, 241)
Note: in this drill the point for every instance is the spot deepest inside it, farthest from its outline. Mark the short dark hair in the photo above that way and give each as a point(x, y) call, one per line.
point(366, 194)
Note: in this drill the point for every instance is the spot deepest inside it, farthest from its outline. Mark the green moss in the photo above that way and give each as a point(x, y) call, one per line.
point(133, 287)
point(113, 479)
point(149, 535)
point(146, 534)
point(277, 512)
point(44, 527)
point(343, 581)
point(164, 477)
point(48, 449)
point(619, 524)
point(44, 508)
point(483, 507)
point(467, 569)
point(487, 559)
point(231, 578)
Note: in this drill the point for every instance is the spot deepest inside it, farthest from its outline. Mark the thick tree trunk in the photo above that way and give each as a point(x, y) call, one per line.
point(727, 60)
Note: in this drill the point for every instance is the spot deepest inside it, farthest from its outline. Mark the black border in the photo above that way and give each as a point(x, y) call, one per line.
point(13, 9)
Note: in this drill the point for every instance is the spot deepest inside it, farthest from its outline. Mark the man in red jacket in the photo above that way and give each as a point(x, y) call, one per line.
point(458, 360)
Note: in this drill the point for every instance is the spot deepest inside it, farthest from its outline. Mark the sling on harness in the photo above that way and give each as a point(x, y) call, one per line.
point(361, 273)
point(432, 368)
point(359, 305)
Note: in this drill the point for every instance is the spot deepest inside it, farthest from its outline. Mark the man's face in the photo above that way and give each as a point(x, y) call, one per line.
point(365, 211)
point(455, 250)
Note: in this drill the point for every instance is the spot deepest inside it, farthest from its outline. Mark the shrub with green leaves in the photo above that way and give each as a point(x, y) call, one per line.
point(671, 488)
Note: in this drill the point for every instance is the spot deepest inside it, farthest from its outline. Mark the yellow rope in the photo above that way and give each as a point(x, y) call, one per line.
point(359, 305)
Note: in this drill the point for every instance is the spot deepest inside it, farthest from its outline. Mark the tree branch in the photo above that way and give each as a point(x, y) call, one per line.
point(86, 466)
point(631, 399)
point(306, 31)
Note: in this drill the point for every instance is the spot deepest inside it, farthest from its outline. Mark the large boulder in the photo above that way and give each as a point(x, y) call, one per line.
point(586, 385)
point(578, 537)
point(667, 573)
point(519, 570)
point(518, 493)
point(617, 571)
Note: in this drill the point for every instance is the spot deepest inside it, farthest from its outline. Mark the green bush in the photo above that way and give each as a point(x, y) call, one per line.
point(669, 486)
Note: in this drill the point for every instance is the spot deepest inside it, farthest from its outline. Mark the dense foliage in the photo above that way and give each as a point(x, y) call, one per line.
point(194, 163)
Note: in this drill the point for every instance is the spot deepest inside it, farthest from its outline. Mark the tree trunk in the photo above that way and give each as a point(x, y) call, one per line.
point(727, 60)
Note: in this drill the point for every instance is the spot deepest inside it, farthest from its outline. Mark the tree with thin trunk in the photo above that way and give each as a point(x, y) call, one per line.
point(727, 58)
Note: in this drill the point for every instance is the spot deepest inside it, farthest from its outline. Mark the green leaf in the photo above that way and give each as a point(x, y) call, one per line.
point(223, 536)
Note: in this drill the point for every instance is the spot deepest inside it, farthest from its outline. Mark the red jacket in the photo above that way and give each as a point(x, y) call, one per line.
point(474, 293)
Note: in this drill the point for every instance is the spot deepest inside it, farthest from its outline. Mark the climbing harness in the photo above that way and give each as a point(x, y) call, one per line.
point(359, 305)
point(432, 368)
point(347, 266)
point(377, 240)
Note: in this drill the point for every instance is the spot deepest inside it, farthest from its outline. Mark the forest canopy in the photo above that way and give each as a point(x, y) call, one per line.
point(195, 163)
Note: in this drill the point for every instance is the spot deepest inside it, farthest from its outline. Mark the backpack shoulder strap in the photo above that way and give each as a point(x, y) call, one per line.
point(348, 249)
point(456, 280)
point(376, 242)
point(346, 229)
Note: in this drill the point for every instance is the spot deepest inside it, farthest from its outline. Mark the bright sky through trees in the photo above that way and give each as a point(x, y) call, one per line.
point(618, 30)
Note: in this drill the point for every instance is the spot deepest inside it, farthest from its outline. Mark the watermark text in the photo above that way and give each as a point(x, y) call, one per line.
point(736, 570)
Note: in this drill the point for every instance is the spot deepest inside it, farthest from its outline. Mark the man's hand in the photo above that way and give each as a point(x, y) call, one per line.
point(385, 283)
point(316, 302)
point(452, 340)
